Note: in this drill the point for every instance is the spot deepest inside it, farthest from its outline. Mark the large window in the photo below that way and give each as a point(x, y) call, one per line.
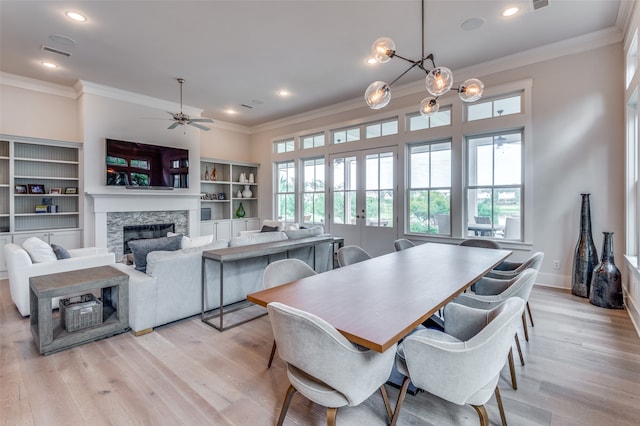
point(429, 188)
point(379, 189)
point(313, 192)
point(286, 192)
point(494, 185)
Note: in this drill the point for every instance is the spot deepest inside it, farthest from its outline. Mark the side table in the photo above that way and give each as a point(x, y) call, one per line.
point(49, 334)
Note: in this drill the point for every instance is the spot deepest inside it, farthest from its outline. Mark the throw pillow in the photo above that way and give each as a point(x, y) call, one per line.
point(60, 252)
point(140, 248)
point(196, 241)
point(266, 228)
point(39, 251)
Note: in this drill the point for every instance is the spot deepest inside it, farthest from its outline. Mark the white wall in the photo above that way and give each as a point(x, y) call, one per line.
point(578, 137)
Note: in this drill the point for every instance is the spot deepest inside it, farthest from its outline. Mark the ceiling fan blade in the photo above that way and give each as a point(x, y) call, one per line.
point(174, 125)
point(206, 129)
point(201, 120)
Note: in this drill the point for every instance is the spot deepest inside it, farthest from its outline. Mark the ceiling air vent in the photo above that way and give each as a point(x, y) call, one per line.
point(56, 51)
point(537, 4)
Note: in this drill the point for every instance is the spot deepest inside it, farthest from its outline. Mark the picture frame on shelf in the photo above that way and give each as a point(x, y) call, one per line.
point(36, 188)
point(57, 191)
point(71, 190)
point(222, 196)
point(20, 189)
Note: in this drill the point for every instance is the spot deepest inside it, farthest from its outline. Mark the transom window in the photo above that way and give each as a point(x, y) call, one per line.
point(429, 188)
point(417, 121)
point(313, 192)
point(286, 191)
point(312, 141)
point(495, 108)
point(382, 128)
point(346, 135)
point(288, 145)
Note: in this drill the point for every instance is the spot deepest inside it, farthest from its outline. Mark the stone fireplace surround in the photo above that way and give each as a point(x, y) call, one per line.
point(114, 210)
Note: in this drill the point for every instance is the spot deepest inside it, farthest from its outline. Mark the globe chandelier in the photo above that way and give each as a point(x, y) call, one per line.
point(439, 80)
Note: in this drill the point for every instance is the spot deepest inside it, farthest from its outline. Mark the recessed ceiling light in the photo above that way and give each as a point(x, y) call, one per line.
point(230, 111)
point(75, 16)
point(472, 24)
point(510, 11)
point(283, 93)
point(61, 39)
point(49, 65)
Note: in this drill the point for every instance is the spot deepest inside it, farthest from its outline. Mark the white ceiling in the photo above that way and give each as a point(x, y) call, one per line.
point(242, 52)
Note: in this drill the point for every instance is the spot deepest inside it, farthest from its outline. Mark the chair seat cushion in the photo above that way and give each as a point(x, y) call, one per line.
point(314, 389)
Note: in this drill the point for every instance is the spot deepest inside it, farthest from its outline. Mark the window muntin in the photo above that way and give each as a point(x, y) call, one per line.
point(287, 145)
point(285, 194)
point(417, 121)
point(346, 135)
point(313, 192)
point(495, 107)
point(312, 141)
point(344, 190)
point(379, 189)
point(494, 191)
point(429, 188)
point(381, 128)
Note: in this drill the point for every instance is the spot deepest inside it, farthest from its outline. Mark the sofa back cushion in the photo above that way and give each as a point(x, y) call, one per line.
point(140, 248)
point(257, 238)
point(296, 234)
point(38, 250)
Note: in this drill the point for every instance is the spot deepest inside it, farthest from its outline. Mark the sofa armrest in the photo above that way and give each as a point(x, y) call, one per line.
point(143, 295)
point(88, 251)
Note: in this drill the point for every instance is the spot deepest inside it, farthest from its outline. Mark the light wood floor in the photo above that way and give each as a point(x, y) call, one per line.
point(583, 368)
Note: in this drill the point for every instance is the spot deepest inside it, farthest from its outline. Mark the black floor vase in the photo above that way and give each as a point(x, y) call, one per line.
point(585, 258)
point(606, 283)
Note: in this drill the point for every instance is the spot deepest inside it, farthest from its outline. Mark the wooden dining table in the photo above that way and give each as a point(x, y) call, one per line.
point(377, 302)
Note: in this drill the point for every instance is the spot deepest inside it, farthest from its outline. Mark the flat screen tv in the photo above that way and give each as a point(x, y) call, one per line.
point(143, 166)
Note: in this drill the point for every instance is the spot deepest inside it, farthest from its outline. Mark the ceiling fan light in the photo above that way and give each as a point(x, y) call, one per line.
point(439, 81)
point(429, 106)
point(471, 90)
point(377, 95)
point(383, 49)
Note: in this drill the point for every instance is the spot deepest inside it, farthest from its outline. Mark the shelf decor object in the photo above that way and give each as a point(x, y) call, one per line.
point(439, 80)
point(606, 282)
point(240, 212)
point(585, 257)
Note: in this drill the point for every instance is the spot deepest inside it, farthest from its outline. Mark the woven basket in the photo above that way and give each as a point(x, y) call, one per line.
point(77, 313)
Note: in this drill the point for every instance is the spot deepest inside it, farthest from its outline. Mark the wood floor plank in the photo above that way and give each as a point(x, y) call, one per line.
point(582, 368)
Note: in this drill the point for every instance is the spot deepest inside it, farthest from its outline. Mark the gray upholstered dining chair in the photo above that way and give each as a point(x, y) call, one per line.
point(281, 272)
point(323, 365)
point(520, 286)
point(480, 242)
point(509, 270)
point(348, 255)
point(403, 244)
point(447, 364)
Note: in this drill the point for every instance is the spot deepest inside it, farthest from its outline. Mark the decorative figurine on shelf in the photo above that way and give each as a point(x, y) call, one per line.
point(251, 178)
point(240, 212)
point(247, 192)
point(214, 173)
point(206, 173)
point(242, 178)
point(239, 194)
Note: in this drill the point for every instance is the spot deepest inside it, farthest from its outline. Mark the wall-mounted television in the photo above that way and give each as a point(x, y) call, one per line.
point(144, 166)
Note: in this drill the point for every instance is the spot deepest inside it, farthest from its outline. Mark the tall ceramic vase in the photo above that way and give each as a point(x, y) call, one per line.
point(606, 283)
point(585, 258)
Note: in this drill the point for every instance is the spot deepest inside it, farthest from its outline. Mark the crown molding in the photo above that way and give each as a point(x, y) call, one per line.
point(14, 80)
point(572, 46)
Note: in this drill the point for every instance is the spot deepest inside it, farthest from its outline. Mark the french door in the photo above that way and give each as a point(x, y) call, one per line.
point(364, 198)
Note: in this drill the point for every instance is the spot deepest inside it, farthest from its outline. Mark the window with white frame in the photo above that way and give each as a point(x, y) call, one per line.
point(286, 191)
point(351, 134)
point(429, 188)
point(495, 185)
point(312, 141)
point(380, 191)
point(313, 191)
point(287, 145)
point(417, 121)
point(497, 107)
point(382, 128)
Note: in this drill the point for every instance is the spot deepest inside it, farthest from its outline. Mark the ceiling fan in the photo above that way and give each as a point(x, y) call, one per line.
point(181, 118)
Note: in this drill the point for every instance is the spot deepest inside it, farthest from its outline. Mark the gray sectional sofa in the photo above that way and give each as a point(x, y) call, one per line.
point(170, 289)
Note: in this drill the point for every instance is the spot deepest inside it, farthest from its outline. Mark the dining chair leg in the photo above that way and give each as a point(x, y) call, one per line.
point(385, 398)
point(273, 352)
point(512, 369)
point(285, 405)
point(482, 413)
point(500, 407)
point(403, 393)
point(332, 412)
point(519, 349)
point(524, 325)
point(530, 316)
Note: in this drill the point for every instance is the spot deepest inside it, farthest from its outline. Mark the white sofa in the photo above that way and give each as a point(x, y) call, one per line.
point(20, 268)
point(170, 289)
